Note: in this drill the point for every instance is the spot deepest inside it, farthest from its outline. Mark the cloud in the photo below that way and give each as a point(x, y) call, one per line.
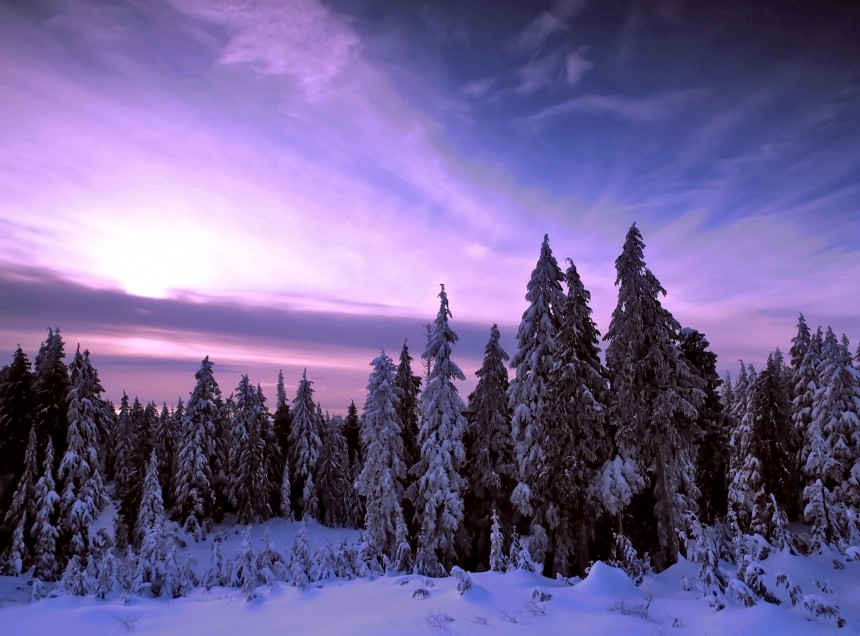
point(548, 23)
point(647, 109)
point(576, 66)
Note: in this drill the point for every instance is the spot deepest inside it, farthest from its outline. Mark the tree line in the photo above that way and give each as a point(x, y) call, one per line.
point(628, 460)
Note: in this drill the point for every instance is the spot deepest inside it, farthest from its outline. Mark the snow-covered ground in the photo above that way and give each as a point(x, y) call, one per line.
point(605, 602)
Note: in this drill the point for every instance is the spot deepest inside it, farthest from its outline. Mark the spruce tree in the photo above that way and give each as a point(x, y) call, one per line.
point(407, 411)
point(656, 399)
point(534, 362)
point(333, 483)
point(744, 468)
point(22, 512)
point(17, 404)
point(712, 457)
point(83, 493)
point(381, 482)
point(195, 497)
point(249, 470)
point(51, 387)
point(352, 433)
point(580, 438)
point(489, 452)
point(44, 531)
point(166, 437)
point(304, 450)
point(150, 565)
point(438, 492)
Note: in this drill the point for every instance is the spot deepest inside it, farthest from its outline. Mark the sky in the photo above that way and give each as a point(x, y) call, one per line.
point(285, 184)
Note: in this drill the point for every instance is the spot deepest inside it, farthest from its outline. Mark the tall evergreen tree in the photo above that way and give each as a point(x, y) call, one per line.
point(489, 453)
point(249, 470)
point(22, 512)
point(806, 383)
point(438, 491)
point(133, 444)
point(799, 346)
point(17, 403)
point(166, 437)
point(713, 453)
point(83, 493)
point(744, 468)
point(656, 398)
point(407, 411)
point(195, 496)
point(381, 482)
point(150, 564)
point(304, 450)
point(534, 361)
point(51, 386)
point(333, 483)
point(581, 440)
point(352, 433)
point(44, 531)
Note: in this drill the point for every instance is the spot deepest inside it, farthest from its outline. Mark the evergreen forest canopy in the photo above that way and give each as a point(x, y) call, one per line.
point(636, 461)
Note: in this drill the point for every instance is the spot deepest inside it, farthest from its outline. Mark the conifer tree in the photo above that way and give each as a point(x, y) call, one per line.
point(489, 452)
point(407, 411)
point(304, 450)
point(83, 493)
point(438, 491)
point(150, 566)
point(799, 346)
point(333, 484)
point(17, 404)
point(51, 388)
point(44, 531)
point(250, 479)
point(534, 362)
point(656, 397)
point(744, 468)
point(22, 511)
point(166, 436)
point(806, 382)
point(195, 477)
point(497, 545)
point(352, 433)
point(381, 482)
point(712, 457)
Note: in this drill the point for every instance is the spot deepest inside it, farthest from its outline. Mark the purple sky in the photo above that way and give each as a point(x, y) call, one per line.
point(284, 184)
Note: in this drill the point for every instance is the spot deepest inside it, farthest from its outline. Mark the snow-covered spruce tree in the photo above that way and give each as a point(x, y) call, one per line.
point(656, 396)
point(438, 492)
point(352, 433)
point(249, 478)
point(772, 442)
point(333, 484)
point(742, 465)
point(51, 387)
point(580, 437)
point(165, 441)
point(127, 474)
point(245, 575)
point(713, 453)
point(489, 453)
point(497, 545)
point(832, 444)
point(301, 563)
point(304, 450)
point(534, 362)
point(196, 459)
point(799, 346)
point(282, 424)
point(21, 513)
point(381, 482)
point(407, 412)
point(150, 562)
point(83, 493)
point(44, 531)
point(17, 405)
point(806, 382)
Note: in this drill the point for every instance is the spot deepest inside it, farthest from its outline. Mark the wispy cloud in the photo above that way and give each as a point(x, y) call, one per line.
point(632, 109)
point(548, 23)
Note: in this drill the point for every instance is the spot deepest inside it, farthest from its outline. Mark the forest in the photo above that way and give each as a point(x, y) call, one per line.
point(563, 455)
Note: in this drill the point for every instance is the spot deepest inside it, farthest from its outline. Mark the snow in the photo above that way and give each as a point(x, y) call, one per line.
point(604, 602)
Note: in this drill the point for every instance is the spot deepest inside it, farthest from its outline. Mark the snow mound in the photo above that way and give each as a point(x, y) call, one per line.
point(607, 581)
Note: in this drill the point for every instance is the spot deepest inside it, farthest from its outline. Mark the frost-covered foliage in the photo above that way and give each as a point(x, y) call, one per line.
point(150, 565)
point(51, 388)
point(408, 411)
point(251, 431)
point(197, 458)
point(303, 451)
point(534, 362)
point(489, 453)
point(22, 512)
point(333, 485)
point(44, 531)
point(438, 492)
point(656, 397)
point(83, 493)
point(498, 563)
point(381, 482)
point(301, 563)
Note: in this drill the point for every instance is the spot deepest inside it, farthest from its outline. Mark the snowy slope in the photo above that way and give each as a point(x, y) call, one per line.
point(605, 602)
